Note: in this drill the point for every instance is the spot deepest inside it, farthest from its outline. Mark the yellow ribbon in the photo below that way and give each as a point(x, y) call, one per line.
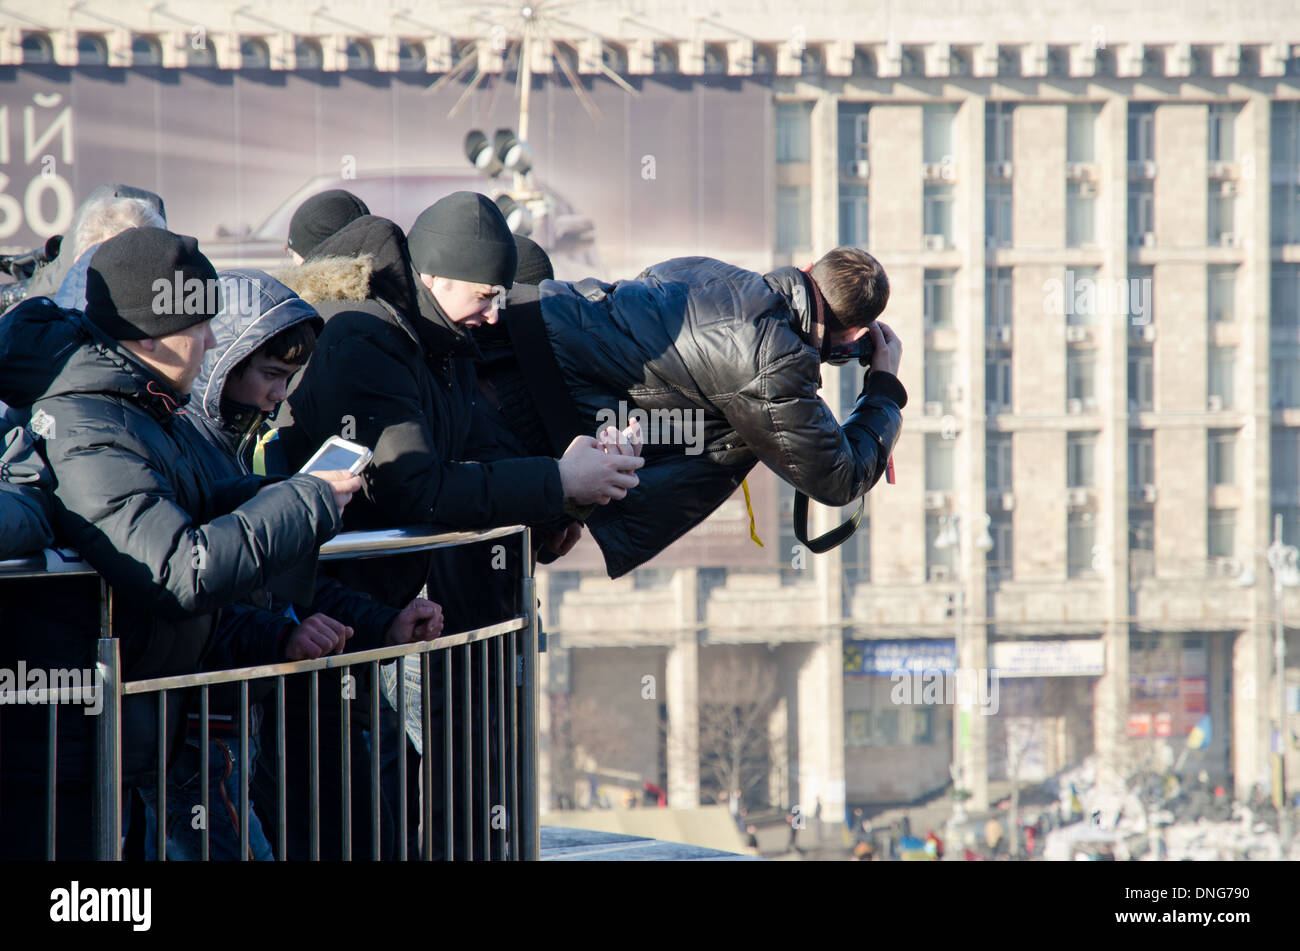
point(749, 506)
point(259, 452)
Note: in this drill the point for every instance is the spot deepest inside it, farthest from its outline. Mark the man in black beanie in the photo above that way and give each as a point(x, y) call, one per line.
point(319, 217)
point(534, 263)
point(136, 492)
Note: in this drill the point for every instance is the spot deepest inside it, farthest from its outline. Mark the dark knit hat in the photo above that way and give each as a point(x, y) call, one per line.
point(534, 265)
point(464, 237)
point(147, 282)
point(321, 216)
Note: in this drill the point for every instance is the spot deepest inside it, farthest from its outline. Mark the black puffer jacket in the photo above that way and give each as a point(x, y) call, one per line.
point(393, 373)
point(139, 493)
point(696, 334)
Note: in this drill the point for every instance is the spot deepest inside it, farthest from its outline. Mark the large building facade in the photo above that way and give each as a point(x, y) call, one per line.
point(1091, 223)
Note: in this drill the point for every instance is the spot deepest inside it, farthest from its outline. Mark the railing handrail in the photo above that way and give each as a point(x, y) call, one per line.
point(55, 562)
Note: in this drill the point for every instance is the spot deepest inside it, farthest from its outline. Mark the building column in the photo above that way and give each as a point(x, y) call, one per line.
point(821, 732)
point(682, 694)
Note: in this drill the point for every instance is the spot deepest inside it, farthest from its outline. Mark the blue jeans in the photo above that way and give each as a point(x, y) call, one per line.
point(185, 796)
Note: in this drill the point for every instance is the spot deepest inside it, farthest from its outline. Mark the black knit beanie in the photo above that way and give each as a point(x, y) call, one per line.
point(147, 282)
point(321, 216)
point(464, 237)
point(534, 265)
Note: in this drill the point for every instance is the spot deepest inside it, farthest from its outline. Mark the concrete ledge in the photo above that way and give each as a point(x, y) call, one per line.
point(585, 845)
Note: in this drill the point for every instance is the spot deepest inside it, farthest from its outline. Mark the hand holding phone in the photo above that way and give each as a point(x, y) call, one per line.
point(339, 455)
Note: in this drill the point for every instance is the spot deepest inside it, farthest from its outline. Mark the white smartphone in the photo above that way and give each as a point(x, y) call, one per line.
point(339, 455)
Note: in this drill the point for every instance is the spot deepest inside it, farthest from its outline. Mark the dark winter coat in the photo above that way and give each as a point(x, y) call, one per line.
point(138, 493)
point(393, 373)
point(696, 335)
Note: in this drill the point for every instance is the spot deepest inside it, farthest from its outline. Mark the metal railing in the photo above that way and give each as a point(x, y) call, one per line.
point(501, 655)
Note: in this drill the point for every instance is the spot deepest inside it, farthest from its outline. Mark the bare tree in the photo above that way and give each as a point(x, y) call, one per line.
point(737, 696)
point(586, 735)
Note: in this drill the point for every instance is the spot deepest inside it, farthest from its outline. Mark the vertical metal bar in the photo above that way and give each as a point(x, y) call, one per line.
point(448, 777)
point(282, 793)
point(375, 796)
point(512, 761)
point(243, 770)
point(426, 759)
point(51, 771)
point(485, 752)
point(345, 760)
point(401, 760)
point(161, 802)
point(467, 747)
point(108, 764)
point(529, 816)
point(499, 652)
point(205, 744)
point(314, 743)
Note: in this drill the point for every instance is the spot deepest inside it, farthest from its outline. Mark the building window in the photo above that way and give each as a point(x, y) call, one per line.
point(1080, 214)
point(1284, 375)
point(1141, 548)
point(307, 54)
point(939, 458)
point(793, 132)
point(1081, 132)
point(997, 132)
point(789, 574)
point(1222, 214)
point(1222, 386)
point(997, 300)
point(1141, 212)
point(997, 463)
point(912, 61)
point(1141, 462)
point(940, 375)
point(938, 122)
point(1221, 292)
point(857, 728)
point(1222, 142)
point(37, 48)
point(1080, 455)
point(936, 558)
point(254, 54)
point(853, 215)
point(1009, 61)
point(1141, 294)
point(1142, 132)
point(1058, 61)
point(1284, 471)
point(361, 55)
point(411, 56)
point(922, 726)
point(1284, 136)
point(1284, 212)
point(856, 560)
point(938, 299)
point(793, 218)
point(146, 51)
point(1081, 306)
point(1141, 379)
point(1000, 559)
point(938, 211)
point(997, 215)
point(1222, 457)
point(1080, 537)
point(1222, 523)
point(853, 128)
point(1284, 306)
point(997, 384)
point(1080, 373)
point(91, 50)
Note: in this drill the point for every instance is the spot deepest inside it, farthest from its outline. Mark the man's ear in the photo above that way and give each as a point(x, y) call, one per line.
point(148, 344)
point(427, 280)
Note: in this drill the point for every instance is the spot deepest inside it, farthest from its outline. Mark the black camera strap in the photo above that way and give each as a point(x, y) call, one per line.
point(832, 539)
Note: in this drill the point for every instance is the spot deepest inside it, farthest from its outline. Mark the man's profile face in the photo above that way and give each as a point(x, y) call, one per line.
point(842, 338)
point(466, 303)
point(178, 357)
point(264, 382)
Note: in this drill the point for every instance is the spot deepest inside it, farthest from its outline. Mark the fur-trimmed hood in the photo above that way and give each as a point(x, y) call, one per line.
point(369, 260)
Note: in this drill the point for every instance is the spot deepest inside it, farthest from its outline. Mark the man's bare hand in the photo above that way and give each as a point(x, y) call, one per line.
point(591, 476)
point(343, 483)
point(421, 620)
point(889, 349)
point(625, 443)
point(561, 543)
point(317, 636)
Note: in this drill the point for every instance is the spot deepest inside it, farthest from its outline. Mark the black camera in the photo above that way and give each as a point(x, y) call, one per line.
point(860, 349)
point(21, 267)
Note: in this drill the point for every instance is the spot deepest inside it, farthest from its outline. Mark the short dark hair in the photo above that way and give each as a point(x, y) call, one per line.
point(294, 345)
point(854, 285)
